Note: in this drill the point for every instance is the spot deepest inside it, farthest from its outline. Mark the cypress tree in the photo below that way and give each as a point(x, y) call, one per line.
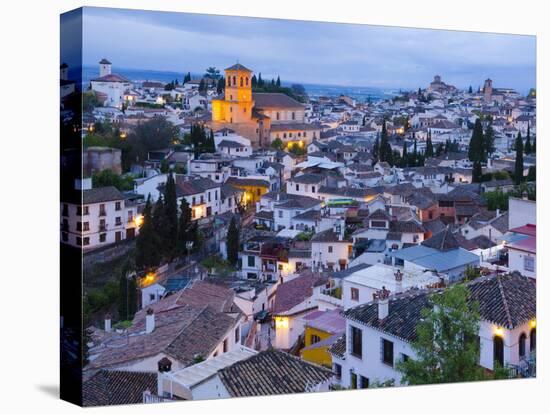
point(518, 170)
point(528, 149)
point(254, 81)
point(488, 141)
point(233, 242)
point(477, 172)
point(470, 89)
point(475, 148)
point(429, 145)
point(171, 216)
point(414, 161)
point(405, 156)
point(532, 174)
point(147, 242)
point(278, 83)
point(184, 222)
point(385, 147)
point(439, 150)
point(221, 85)
point(260, 80)
point(376, 149)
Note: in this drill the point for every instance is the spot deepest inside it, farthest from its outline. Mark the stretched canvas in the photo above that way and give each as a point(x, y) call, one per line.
point(252, 207)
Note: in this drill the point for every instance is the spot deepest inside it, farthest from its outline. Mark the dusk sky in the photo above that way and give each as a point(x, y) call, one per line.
point(307, 52)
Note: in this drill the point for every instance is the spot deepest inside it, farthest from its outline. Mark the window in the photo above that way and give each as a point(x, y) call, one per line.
point(117, 206)
point(251, 261)
point(353, 381)
point(79, 241)
point(102, 210)
point(498, 351)
point(130, 216)
point(297, 187)
point(78, 226)
point(209, 196)
point(293, 116)
point(86, 241)
point(259, 191)
point(118, 221)
point(86, 226)
point(378, 223)
point(246, 81)
point(387, 352)
point(405, 357)
point(314, 339)
point(65, 210)
point(330, 249)
point(522, 340)
point(225, 345)
point(356, 342)
point(337, 370)
point(151, 297)
point(277, 116)
point(354, 294)
point(242, 82)
point(103, 237)
point(234, 80)
point(312, 188)
point(65, 237)
point(363, 382)
point(529, 263)
point(78, 210)
point(533, 340)
point(237, 335)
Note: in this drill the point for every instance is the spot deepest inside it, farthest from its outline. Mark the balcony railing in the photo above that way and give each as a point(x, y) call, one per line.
point(526, 368)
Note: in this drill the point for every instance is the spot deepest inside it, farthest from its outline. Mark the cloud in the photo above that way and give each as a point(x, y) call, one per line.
point(308, 52)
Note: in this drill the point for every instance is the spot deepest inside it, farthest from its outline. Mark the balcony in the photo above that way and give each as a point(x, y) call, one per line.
point(102, 213)
point(103, 227)
point(526, 368)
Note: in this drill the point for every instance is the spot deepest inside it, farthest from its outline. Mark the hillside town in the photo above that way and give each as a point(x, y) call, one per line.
point(242, 238)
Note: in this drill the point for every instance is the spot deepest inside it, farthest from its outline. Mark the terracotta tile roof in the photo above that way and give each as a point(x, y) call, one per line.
point(186, 187)
point(338, 349)
point(117, 387)
point(112, 77)
point(252, 182)
point(238, 66)
point(442, 241)
point(506, 300)
point(272, 372)
point(294, 292)
point(101, 195)
point(275, 100)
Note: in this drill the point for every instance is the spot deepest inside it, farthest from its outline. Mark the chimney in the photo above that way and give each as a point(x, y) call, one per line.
point(150, 321)
point(164, 366)
point(107, 322)
point(382, 298)
point(398, 281)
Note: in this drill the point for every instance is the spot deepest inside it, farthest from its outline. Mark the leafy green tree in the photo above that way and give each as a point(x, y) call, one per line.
point(518, 167)
point(445, 346)
point(212, 73)
point(277, 143)
point(497, 199)
point(147, 242)
point(89, 101)
point(108, 178)
point(233, 242)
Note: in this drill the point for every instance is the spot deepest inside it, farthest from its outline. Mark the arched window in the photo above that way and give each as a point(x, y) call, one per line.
point(234, 81)
point(229, 81)
point(521, 344)
point(242, 82)
point(533, 340)
point(247, 81)
point(498, 351)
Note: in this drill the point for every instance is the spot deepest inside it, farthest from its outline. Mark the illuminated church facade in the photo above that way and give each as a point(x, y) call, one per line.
point(260, 117)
